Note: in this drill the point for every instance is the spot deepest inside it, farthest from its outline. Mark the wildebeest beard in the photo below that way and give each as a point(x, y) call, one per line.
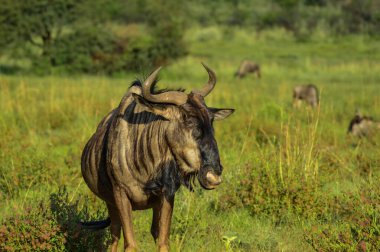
point(169, 179)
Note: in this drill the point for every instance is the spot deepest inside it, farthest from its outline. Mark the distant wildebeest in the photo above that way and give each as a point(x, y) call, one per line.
point(363, 126)
point(246, 67)
point(144, 149)
point(308, 93)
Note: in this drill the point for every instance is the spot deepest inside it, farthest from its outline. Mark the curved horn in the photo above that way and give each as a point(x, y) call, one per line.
point(173, 97)
point(210, 84)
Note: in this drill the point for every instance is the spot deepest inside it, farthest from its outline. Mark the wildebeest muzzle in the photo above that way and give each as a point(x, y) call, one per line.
point(210, 178)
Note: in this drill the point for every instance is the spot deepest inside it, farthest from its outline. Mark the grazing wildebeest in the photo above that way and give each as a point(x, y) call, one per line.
point(246, 67)
point(362, 126)
point(144, 149)
point(307, 93)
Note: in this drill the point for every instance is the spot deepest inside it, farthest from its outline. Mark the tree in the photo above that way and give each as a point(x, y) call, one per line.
point(167, 26)
point(36, 25)
point(71, 35)
point(35, 22)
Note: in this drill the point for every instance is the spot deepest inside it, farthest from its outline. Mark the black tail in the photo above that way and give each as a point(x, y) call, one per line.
point(96, 225)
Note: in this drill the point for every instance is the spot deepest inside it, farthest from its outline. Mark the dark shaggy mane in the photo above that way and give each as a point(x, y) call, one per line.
point(169, 179)
point(153, 88)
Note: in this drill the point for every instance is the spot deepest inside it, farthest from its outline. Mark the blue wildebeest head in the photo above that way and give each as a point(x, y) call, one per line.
point(190, 133)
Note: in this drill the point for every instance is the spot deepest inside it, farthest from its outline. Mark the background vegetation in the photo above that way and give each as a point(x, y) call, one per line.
point(293, 179)
point(116, 36)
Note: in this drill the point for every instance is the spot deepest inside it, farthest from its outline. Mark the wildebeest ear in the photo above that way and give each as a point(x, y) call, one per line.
point(220, 114)
point(158, 109)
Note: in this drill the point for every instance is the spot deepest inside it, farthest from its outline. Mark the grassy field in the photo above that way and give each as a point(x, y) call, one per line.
point(293, 179)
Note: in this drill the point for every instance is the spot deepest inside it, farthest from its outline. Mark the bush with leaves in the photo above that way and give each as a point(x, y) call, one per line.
point(359, 229)
point(54, 228)
point(35, 230)
point(86, 50)
point(167, 30)
point(74, 36)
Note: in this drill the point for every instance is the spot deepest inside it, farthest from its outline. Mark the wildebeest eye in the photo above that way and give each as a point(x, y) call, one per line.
point(197, 132)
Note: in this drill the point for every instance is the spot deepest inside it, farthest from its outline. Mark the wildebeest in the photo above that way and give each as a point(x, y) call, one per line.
point(144, 149)
point(308, 93)
point(246, 67)
point(362, 126)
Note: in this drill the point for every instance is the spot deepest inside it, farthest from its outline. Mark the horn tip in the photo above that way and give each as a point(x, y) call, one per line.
point(158, 69)
point(204, 65)
point(152, 76)
point(209, 70)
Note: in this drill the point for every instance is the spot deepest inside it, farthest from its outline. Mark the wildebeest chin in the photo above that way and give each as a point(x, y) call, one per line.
point(144, 149)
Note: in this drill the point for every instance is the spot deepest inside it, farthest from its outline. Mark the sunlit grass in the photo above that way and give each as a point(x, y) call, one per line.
point(46, 121)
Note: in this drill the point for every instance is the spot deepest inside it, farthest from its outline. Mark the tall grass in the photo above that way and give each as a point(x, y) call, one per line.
point(289, 174)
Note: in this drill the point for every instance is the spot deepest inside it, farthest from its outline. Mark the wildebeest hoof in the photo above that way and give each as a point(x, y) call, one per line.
point(163, 248)
point(130, 249)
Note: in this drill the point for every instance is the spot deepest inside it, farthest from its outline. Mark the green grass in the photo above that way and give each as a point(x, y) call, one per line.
point(289, 174)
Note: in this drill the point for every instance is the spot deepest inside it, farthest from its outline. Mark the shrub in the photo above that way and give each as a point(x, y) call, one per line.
point(54, 228)
point(87, 50)
point(260, 195)
point(35, 230)
point(359, 229)
point(68, 215)
point(167, 29)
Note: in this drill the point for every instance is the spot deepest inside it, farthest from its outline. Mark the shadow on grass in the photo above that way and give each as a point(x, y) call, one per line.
point(52, 228)
point(68, 215)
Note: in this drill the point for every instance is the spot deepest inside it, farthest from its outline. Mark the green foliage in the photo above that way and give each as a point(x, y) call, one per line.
point(361, 16)
point(302, 17)
point(35, 22)
point(68, 214)
point(34, 230)
point(358, 230)
point(66, 36)
point(166, 19)
point(288, 4)
point(284, 180)
point(54, 228)
point(87, 50)
point(316, 2)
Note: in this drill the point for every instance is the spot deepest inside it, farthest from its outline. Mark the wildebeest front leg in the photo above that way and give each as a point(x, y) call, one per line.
point(162, 216)
point(125, 211)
